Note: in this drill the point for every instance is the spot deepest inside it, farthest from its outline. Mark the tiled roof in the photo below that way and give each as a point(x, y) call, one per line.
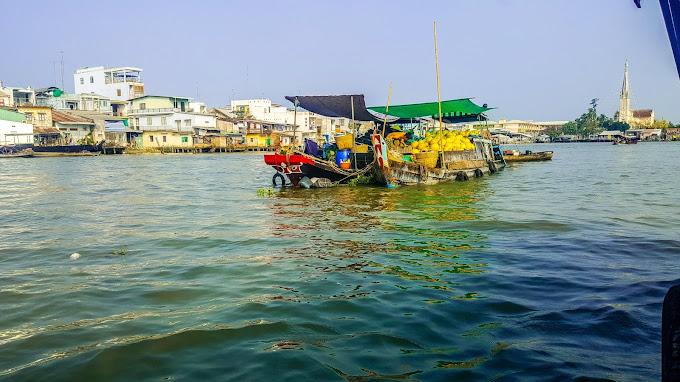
point(642, 113)
point(45, 130)
point(62, 117)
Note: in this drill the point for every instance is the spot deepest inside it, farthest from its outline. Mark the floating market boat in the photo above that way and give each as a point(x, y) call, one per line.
point(528, 156)
point(391, 165)
point(393, 169)
point(12, 152)
point(395, 166)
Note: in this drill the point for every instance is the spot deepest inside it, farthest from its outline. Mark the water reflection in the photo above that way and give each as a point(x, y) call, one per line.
point(414, 234)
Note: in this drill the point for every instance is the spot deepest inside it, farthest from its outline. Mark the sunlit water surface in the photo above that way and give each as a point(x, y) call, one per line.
point(545, 271)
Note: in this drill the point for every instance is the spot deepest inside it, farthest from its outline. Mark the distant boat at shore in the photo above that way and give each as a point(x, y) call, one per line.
point(528, 156)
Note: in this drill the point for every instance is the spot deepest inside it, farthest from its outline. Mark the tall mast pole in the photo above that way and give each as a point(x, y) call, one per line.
point(62, 70)
point(387, 108)
point(439, 98)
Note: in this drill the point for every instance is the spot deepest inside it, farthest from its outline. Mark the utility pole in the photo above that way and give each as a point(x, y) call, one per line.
point(62, 70)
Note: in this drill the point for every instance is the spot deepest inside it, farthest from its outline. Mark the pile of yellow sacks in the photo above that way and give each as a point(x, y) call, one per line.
point(444, 141)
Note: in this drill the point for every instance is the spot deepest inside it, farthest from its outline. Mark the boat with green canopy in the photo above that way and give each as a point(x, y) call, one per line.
point(389, 165)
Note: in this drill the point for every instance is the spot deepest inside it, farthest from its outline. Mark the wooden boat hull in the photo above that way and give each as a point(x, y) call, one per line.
point(74, 150)
point(17, 155)
point(453, 165)
point(15, 152)
point(543, 155)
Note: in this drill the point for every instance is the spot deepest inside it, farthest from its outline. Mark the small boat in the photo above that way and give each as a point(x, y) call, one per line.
point(626, 141)
point(528, 156)
point(11, 152)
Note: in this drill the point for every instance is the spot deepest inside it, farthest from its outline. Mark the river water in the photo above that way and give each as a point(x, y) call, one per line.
point(545, 271)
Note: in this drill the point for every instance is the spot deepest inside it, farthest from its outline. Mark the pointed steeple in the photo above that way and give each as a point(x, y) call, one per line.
point(624, 103)
point(625, 90)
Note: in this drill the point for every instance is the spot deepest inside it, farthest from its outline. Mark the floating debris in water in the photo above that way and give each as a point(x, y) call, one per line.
point(265, 192)
point(75, 256)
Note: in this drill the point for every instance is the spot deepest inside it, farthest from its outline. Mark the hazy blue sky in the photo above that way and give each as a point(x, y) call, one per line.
point(533, 59)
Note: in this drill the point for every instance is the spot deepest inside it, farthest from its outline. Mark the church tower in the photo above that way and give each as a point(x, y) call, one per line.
point(624, 102)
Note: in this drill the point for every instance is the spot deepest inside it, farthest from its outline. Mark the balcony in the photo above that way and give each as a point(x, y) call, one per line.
point(120, 80)
point(154, 111)
point(22, 102)
point(183, 129)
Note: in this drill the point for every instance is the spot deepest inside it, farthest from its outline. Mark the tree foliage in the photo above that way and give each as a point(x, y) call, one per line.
point(661, 124)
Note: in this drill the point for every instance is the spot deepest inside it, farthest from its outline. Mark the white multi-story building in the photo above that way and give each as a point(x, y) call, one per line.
point(13, 96)
point(528, 127)
point(160, 113)
point(119, 84)
point(60, 100)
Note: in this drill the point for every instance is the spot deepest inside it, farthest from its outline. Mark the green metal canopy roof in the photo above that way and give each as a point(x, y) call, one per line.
point(452, 108)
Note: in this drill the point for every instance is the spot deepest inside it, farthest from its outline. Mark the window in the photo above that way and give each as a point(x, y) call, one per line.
point(82, 80)
point(117, 91)
point(41, 116)
point(148, 121)
point(151, 138)
point(137, 123)
point(185, 139)
point(178, 123)
point(91, 79)
point(142, 106)
point(164, 121)
point(29, 117)
point(251, 140)
point(187, 122)
point(165, 139)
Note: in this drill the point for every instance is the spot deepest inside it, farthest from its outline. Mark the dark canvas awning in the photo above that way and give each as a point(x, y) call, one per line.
point(335, 106)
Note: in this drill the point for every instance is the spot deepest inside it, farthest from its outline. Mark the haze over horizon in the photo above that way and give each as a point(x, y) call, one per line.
point(531, 59)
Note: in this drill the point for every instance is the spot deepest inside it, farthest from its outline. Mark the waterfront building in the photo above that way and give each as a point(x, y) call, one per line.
point(75, 129)
point(119, 83)
point(224, 120)
point(672, 134)
point(38, 116)
point(309, 125)
point(106, 127)
point(265, 134)
point(14, 96)
point(634, 118)
point(166, 121)
point(646, 134)
point(610, 135)
point(61, 100)
point(13, 128)
point(528, 127)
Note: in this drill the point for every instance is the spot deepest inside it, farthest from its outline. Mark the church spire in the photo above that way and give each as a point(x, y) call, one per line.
point(625, 90)
point(625, 113)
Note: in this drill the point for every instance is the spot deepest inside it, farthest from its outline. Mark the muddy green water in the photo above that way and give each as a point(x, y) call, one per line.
point(545, 271)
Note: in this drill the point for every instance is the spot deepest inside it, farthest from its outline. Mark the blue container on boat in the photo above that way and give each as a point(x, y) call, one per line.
point(340, 156)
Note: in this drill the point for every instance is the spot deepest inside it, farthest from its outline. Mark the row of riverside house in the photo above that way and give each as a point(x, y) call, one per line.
point(110, 105)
